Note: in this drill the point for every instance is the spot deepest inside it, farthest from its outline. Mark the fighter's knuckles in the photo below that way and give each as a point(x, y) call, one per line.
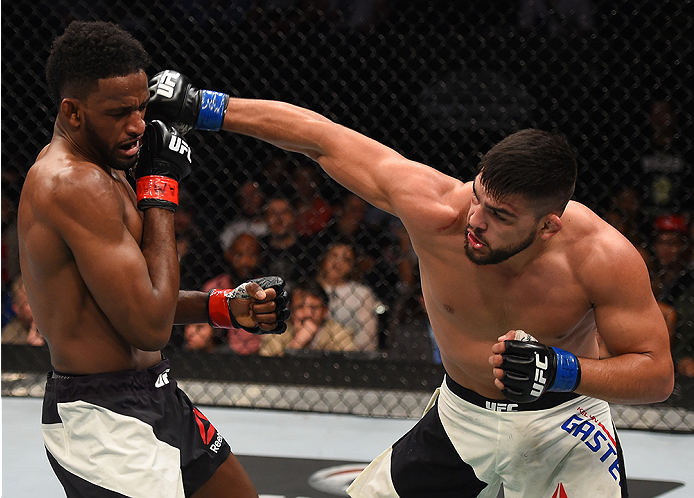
point(499, 348)
point(264, 308)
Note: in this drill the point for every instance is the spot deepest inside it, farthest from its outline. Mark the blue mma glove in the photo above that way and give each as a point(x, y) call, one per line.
point(174, 100)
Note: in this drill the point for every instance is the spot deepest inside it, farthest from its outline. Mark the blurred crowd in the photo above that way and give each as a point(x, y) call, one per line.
point(350, 269)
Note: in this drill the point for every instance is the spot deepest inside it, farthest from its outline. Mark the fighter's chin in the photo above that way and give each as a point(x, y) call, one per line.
point(123, 164)
point(476, 257)
point(485, 258)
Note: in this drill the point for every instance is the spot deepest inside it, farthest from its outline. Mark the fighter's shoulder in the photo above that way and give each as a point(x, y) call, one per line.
point(65, 183)
point(595, 245)
point(435, 201)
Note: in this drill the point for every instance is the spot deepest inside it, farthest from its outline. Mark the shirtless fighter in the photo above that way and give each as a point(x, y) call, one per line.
point(101, 274)
point(505, 253)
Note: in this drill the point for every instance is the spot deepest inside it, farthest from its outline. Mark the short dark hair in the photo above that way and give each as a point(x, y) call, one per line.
point(89, 51)
point(312, 288)
point(534, 164)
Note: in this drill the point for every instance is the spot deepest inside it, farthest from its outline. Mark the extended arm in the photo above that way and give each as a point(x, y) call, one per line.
point(373, 171)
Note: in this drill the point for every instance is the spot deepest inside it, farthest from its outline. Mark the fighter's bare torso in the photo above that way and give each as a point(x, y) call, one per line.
point(80, 337)
point(470, 305)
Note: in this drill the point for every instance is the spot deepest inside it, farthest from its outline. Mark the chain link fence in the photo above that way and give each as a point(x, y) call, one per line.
point(440, 82)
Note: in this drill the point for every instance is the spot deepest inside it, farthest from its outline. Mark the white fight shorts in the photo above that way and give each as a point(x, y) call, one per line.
point(561, 446)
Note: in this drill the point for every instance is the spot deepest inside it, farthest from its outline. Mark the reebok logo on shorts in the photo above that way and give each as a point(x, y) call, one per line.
point(163, 379)
point(207, 431)
point(559, 492)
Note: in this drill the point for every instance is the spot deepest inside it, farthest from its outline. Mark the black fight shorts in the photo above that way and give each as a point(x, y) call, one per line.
point(132, 434)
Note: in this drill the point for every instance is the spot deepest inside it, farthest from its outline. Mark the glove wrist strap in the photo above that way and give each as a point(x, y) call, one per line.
point(157, 188)
point(218, 312)
point(213, 106)
point(568, 374)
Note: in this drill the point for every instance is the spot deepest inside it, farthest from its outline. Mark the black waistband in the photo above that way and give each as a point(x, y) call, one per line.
point(67, 387)
point(547, 400)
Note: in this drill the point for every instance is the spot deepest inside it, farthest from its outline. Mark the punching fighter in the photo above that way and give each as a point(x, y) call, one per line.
point(101, 273)
point(518, 281)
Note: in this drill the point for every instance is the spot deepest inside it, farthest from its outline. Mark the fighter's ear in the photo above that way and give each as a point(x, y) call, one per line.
point(71, 110)
point(551, 225)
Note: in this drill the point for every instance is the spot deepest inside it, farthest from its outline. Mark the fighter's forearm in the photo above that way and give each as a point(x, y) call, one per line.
point(159, 251)
point(627, 379)
point(355, 161)
point(191, 307)
point(284, 125)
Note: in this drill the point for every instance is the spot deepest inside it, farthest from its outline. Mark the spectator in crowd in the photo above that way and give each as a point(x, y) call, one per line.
point(352, 304)
point(22, 328)
point(282, 252)
point(250, 201)
point(276, 180)
point(409, 334)
point(313, 212)
point(667, 172)
point(202, 337)
point(627, 214)
point(198, 255)
point(309, 327)
point(683, 350)
point(347, 223)
point(683, 344)
point(244, 262)
point(9, 254)
point(670, 272)
point(683, 341)
point(385, 259)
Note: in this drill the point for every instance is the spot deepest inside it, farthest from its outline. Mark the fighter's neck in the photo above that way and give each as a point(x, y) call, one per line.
point(73, 143)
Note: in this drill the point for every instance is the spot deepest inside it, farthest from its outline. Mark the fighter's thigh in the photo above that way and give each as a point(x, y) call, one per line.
point(229, 480)
point(425, 463)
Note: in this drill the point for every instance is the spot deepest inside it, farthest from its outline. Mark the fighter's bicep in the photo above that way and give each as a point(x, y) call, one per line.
point(626, 313)
point(379, 174)
point(109, 260)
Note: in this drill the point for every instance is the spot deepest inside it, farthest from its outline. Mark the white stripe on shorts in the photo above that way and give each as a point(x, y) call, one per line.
point(114, 451)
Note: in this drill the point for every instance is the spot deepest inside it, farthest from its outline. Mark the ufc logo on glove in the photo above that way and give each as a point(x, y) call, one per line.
point(177, 144)
point(166, 85)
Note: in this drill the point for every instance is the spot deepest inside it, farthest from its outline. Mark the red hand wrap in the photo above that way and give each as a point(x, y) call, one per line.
point(218, 309)
point(157, 187)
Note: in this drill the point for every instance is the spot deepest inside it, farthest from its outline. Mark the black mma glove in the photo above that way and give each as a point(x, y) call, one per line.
point(219, 310)
point(174, 100)
point(531, 368)
point(164, 161)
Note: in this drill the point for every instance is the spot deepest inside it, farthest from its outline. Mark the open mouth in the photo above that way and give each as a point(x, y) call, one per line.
point(474, 242)
point(130, 148)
